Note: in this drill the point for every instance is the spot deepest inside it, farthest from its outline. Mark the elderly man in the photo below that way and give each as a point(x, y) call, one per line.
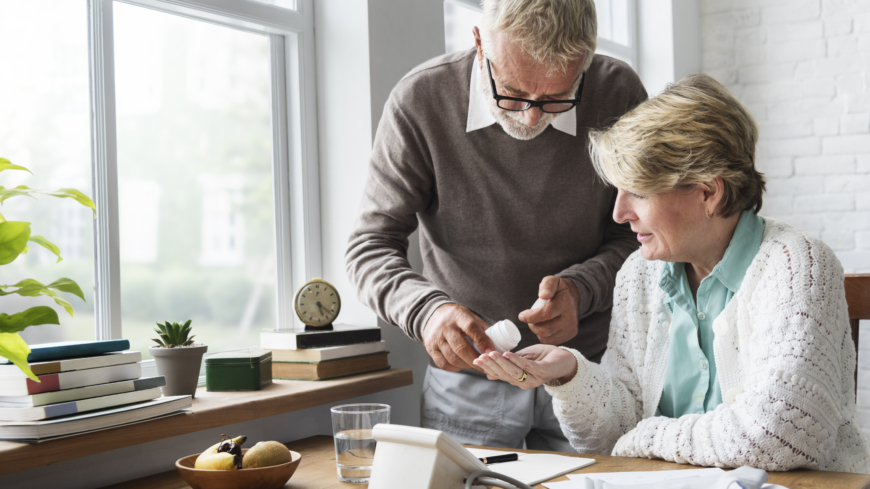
point(485, 152)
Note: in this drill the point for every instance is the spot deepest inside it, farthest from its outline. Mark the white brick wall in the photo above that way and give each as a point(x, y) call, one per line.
point(802, 67)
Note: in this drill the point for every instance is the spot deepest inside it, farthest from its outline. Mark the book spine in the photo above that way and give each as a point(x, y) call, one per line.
point(338, 359)
point(38, 354)
point(337, 338)
point(317, 379)
point(75, 394)
point(100, 360)
point(368, 348)
point(45, 368)
point(55, 410)
point(148, 383)
point(272, 341)
point(95, 403)
point(47, 383)
point(83, 378)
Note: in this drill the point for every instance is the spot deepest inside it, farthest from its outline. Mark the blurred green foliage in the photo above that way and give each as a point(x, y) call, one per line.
point(14, 239)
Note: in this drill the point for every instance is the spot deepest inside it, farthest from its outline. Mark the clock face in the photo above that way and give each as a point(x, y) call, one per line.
point(317, 303)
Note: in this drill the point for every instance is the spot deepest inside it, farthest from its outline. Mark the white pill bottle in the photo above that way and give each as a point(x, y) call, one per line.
point(505, 336)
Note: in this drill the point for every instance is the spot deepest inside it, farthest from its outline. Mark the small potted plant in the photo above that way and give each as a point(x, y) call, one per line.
point(178, 358)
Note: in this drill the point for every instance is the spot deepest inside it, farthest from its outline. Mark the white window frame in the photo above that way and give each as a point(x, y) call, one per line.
point(625, 52)
point(295, 173)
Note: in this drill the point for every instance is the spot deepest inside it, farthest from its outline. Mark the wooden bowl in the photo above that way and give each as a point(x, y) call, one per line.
point(273, 477)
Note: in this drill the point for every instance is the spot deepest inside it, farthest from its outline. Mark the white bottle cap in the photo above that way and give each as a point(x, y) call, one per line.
point(505, 335)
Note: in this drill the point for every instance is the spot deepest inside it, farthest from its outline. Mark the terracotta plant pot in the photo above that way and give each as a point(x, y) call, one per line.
point(180, 366)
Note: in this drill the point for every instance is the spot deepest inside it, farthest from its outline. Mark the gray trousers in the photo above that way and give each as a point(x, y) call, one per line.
point(478, 411)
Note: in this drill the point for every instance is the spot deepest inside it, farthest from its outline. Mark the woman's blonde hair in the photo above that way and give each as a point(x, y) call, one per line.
point(690, 134)
point(555, 32)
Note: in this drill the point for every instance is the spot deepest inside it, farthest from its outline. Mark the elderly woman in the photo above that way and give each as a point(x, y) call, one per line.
point(730, 341)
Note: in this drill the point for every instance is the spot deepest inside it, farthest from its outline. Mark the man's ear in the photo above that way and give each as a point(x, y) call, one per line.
point(478, 44)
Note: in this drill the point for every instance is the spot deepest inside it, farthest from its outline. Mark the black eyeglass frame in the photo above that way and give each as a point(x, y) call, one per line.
point(532, 103)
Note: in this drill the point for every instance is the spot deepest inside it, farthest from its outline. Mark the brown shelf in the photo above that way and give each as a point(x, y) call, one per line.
point(210, 410)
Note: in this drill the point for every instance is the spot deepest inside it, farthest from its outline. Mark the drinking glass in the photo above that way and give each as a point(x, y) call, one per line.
point(354, 444)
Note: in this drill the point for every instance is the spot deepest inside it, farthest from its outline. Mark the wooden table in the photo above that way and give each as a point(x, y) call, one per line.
point(209, 410)
point(317, 471)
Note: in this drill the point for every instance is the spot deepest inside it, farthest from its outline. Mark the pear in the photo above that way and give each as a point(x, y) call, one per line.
point(266, 454)
point(218, 461)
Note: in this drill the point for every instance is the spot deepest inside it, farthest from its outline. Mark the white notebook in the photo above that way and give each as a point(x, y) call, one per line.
point(534, 468)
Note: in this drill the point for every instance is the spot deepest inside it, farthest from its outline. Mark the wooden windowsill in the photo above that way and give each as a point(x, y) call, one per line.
point(209, 410)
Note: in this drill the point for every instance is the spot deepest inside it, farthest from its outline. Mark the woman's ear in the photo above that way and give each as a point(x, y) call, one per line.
point(712, 194)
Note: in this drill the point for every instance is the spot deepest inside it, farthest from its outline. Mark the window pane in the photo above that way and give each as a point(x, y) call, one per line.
point(289, 4)
point(458, 22)
point(613, 20)
point(195, 179)
point(602, 8)
point(620, 21)
point(45, 126)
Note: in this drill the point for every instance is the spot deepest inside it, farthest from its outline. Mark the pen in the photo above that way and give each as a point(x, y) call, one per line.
point(508, 457)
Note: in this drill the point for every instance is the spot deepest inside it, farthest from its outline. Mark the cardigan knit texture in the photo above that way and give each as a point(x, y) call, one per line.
point(785, 360)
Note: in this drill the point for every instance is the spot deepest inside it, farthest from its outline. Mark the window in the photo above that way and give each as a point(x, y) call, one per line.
point(193, 112)
point(459, 18)
point(190, 124)
point(291, 4)
point(617, 28)
point(44, 126)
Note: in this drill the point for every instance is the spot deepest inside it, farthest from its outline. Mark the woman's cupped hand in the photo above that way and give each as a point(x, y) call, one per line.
point(539, 363)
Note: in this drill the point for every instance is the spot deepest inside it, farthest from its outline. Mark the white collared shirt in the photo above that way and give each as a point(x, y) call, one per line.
point(479, 115)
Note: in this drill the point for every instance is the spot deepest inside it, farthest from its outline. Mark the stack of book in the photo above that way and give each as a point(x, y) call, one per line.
point(321, 355)
point(83, 386)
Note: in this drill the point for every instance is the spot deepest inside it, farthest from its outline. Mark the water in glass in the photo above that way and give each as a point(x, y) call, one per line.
point(354, 455)
point(354, 442)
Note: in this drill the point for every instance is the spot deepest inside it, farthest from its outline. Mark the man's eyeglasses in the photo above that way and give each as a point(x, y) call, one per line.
point(520, 104)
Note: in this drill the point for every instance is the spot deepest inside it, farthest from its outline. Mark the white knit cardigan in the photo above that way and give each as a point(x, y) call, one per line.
point(785, 360)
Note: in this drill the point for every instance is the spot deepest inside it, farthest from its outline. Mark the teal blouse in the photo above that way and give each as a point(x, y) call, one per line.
point(691, 383)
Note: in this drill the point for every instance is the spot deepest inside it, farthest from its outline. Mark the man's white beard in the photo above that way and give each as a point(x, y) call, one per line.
point(512, 121)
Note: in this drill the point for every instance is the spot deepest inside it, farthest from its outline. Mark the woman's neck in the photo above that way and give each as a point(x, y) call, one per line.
point(717, 238)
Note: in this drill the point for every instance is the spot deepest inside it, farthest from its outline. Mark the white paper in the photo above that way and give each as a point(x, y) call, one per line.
point(627, 478)
point(643, 478)
point(560, 485)
point(534, 468)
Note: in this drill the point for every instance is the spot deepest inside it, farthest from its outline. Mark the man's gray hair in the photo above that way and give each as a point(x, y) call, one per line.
point(555, 32)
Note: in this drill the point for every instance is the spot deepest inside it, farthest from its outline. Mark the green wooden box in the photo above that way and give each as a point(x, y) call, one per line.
point(241, 370)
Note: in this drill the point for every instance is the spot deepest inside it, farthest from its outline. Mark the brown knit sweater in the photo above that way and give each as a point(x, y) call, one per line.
point(496, 214)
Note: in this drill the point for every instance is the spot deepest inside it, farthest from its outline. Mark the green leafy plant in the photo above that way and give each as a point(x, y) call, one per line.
point(173, 335)
point(14, 239)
